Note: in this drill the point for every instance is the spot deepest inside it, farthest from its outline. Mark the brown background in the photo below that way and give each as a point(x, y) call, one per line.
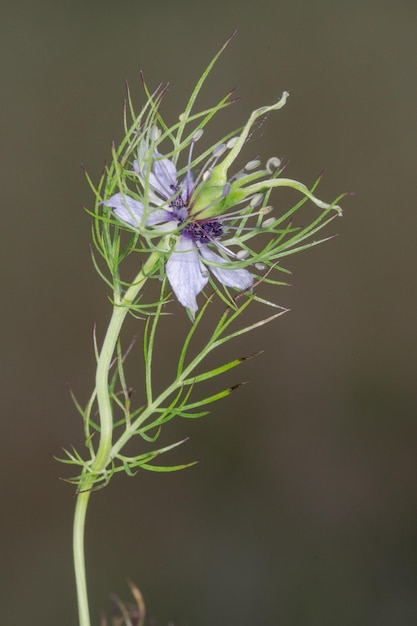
point(302, 511)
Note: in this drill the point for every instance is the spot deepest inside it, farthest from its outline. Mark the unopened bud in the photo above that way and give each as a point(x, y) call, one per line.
point(256, 200)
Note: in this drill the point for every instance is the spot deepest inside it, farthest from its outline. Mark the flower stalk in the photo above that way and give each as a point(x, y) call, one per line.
point(103, 457)
point(198, 226)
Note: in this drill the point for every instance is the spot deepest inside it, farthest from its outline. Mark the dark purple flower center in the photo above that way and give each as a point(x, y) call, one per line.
point(177, 202)
point(204, 232)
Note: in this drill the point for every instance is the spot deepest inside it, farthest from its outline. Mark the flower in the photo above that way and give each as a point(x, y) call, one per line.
point(171, 204)
point(194, 214)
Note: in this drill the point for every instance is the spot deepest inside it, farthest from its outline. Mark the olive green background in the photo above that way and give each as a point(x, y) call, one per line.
point(302, 510)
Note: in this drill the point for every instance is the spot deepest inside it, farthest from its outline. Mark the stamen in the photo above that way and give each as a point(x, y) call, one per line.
point(219, 150)
point(154, 133)
point(263, 211)
point(205, 231)
point(226, 190)
point(252, 165)
point(197, 135)
point(205, 171)
point(232, 142)
point(269, 222)
point(256, 200)
point(188, 180)
point(239, 175)
point(221, 246)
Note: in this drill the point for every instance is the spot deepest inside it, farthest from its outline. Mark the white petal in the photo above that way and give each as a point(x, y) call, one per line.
point(152, 197)
point(126, 209)
point(238, 278)
point(186, 274)
point(157, 216)
point(131, 211)
point(163, 176)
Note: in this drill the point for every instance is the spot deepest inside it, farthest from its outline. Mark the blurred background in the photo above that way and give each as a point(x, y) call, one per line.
point(302, 509)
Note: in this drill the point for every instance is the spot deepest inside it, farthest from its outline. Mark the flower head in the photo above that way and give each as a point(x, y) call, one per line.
point(191, 256)
point(203, 221)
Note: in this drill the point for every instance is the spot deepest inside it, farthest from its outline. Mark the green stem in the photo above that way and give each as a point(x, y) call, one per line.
point(102, 457)
point(79, 558)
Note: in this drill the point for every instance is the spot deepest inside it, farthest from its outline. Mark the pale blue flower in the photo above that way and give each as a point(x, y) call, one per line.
point(169, 205)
